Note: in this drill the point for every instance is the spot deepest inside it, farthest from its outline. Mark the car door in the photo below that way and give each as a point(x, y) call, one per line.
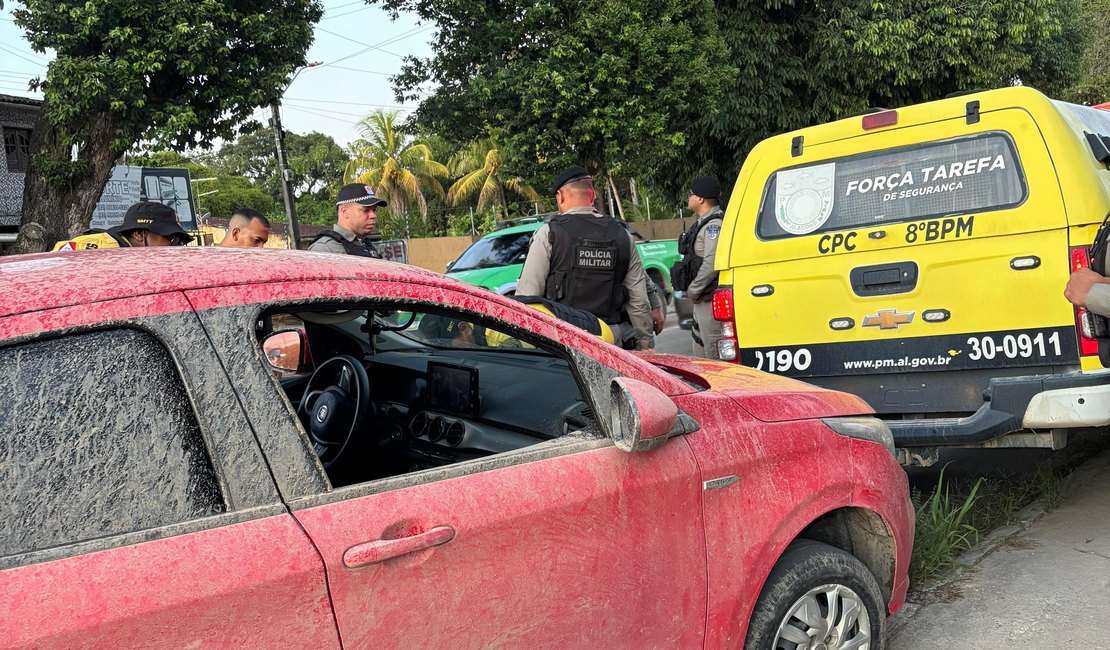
point(138, 511)
point(566, 543)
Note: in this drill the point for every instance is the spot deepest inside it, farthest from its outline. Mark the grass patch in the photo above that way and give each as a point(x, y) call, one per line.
point(957, 514)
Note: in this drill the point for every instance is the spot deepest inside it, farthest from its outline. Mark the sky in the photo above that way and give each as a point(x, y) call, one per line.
point(358, 46)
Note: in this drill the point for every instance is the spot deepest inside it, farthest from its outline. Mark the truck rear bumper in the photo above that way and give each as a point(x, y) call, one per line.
point(1013, 404)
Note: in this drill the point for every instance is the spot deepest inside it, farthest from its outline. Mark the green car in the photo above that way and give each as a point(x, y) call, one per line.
point(496, 260)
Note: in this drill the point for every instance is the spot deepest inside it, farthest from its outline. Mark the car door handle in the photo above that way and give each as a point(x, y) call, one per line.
point(380, 550)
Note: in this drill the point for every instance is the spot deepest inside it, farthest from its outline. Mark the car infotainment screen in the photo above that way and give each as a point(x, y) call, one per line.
point(453, 389)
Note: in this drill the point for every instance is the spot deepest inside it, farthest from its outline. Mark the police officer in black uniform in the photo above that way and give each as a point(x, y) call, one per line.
point(587, 260)
point(357, 207)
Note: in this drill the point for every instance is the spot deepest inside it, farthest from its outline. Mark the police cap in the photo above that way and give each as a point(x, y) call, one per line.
point(569, 175)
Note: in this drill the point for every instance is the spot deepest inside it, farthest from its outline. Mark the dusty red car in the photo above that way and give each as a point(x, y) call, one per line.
point(250, 448)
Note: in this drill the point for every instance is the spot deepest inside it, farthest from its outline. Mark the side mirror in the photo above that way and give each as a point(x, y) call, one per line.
point(642, 416)
point(450, 265)
point(286, 350)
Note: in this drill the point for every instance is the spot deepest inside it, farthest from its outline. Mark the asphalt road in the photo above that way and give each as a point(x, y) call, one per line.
point(673, 340)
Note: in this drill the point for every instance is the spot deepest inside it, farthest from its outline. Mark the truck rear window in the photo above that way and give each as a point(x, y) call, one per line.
point(932, 179)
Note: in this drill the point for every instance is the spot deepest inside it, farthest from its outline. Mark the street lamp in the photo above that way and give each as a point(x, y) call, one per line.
point(286, 176)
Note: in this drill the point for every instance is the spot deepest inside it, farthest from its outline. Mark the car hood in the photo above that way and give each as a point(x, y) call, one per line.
point(767, 397)
point(490, 278)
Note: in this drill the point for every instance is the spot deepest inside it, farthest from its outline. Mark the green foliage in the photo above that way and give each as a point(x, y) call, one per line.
point(484, 222)
point(179, 72)
point(611, 84)
point(315, 160)
point(481, 173)
point(1094, 86)
point(400, 166)
point(661, 90)
point(808, 62)
point(942, 531)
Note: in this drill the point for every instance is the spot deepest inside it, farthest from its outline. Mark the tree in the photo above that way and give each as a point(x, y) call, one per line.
point(610, 84)
point(1094, 86)
point(805, 62)
point(479, 171)
point(180, 73)
point(315, 161)
point(400, 166)
point(660, 90)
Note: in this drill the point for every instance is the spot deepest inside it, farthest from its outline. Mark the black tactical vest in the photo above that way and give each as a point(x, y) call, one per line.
point(589, 260)
point(359, 246)
point(686, 269)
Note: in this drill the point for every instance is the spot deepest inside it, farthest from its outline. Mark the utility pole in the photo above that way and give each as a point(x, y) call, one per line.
point(286, 176)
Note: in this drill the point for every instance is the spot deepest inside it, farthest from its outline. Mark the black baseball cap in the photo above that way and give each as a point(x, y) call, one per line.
point(157, 218)
point(569, 175)
point(360, 194)
point(707, 187)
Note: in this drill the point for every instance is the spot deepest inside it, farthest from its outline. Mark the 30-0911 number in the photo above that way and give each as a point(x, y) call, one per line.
point(783, 360)
point(1013, 347)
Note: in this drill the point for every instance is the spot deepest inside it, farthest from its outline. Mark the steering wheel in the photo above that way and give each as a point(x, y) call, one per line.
point(335, 405)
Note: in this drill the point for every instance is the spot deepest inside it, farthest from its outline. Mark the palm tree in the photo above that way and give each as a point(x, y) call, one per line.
point(398, 165)
point(479, 167)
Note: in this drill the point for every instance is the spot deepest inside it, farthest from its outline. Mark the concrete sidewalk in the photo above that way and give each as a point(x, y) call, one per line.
point(1047, 586)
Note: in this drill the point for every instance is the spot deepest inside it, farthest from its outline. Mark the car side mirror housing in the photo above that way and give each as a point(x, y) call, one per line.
point(286, 350)
point(450, 265)
point(642, 416)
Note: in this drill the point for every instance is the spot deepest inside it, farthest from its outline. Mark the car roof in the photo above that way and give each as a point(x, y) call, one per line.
point(31, 283)
point(515, 230)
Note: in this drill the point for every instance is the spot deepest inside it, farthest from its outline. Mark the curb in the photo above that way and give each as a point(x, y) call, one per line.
point(1024, 518)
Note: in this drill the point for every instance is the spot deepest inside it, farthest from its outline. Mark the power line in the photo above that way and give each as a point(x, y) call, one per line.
point(324, 110)
point(402, 35)
point(20, 56)
point(357, 42)
point(330, 101)
point(345, 13)
point(315, 114)
point(341, 67)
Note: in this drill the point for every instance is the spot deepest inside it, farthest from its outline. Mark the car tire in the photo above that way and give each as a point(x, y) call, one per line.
point(809, 576)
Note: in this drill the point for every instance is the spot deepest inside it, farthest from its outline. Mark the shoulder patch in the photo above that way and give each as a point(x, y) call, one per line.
point(712, 231)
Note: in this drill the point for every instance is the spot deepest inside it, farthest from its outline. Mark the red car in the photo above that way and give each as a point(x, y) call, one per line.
point(251, 448)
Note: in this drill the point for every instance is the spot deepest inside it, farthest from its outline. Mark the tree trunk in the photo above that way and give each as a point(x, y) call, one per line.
point(57, 209)
point(616, 197)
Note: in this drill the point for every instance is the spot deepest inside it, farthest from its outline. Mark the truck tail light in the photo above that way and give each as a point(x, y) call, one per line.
point(1087, 345)
point(724, 311)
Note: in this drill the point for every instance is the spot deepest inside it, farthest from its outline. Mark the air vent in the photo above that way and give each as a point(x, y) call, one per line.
point(419, 425)
point(455, 433)
point(437, 429)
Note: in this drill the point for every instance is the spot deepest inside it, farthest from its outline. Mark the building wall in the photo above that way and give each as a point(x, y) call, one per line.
point(11, 183)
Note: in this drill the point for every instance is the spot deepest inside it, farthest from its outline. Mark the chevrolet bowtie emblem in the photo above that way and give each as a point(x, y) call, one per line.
point(888, 319)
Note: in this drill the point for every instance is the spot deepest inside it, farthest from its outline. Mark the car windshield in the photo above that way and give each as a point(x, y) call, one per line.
point(490, 252)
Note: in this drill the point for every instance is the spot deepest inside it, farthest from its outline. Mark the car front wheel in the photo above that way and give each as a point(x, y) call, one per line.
point(818, 597)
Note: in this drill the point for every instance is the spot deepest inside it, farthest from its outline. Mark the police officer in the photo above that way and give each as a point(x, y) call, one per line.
point(698, 246)
point(357, 207)
point(587, 260)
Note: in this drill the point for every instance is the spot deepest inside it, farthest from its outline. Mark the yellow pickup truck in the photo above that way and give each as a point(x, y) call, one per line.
point(917, 258)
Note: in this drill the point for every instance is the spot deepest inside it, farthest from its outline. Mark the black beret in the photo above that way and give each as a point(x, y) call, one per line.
point(569, 175)
point(706, 187)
